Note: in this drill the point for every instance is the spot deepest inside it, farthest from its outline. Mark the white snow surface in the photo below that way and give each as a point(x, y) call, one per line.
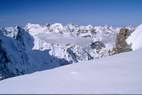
point(119, 74)
point(135, 39)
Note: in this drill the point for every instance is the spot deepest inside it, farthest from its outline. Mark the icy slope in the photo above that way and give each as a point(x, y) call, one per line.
point(135, 40)
point(115, 74)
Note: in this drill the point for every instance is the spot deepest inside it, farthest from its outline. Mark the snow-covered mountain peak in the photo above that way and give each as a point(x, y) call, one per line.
point(36, 28)
point(57, 27)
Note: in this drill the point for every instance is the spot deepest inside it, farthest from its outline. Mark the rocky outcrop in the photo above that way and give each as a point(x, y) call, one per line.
point(121, 44)
point(97, 45)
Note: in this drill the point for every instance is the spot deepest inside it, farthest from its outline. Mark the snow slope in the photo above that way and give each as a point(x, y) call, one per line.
point(114, 74)
point(135, 39)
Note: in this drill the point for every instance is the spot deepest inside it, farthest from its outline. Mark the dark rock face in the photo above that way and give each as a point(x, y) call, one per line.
point(72, 54)
point(121, 45)
point(97, 45)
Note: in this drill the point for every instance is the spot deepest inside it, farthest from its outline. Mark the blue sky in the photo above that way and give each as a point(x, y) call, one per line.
point(95, 12)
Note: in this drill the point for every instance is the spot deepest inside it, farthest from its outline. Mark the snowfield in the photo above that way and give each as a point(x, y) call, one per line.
point(136, 38)
point(119, 74)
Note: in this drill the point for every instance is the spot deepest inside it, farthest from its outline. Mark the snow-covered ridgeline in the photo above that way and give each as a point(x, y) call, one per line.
point(66, 36)
point(39, 47)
